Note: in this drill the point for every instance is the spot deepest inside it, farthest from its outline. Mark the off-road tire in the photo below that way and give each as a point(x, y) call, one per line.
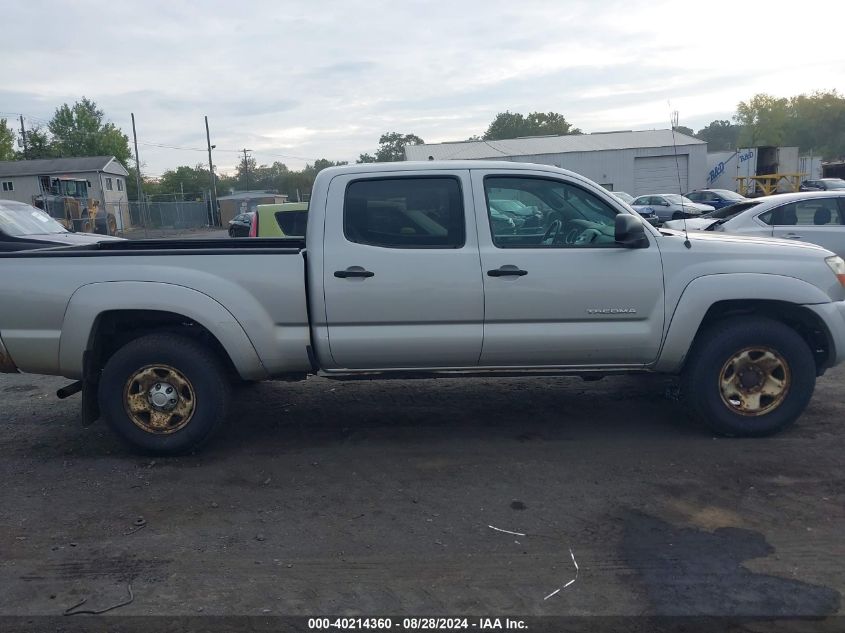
point(700, 380)
point(195, 362)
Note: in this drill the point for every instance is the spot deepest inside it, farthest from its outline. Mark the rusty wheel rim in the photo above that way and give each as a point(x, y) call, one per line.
point(754, 381)
point(159, 399)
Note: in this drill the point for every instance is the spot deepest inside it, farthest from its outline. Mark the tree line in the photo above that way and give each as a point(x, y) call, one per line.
point(815, 123)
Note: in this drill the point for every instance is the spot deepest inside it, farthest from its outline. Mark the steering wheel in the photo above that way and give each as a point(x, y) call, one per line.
point(552, 232)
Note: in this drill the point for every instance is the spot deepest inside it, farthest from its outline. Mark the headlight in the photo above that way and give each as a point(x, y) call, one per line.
point(837, 265)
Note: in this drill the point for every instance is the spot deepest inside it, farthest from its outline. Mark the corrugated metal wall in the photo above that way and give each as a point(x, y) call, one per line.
point(616, 168)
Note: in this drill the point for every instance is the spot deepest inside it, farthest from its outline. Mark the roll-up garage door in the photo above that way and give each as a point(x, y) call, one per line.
point(659, 174)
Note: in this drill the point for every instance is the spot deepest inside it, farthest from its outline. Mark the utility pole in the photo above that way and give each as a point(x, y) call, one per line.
point(138, 177)
point(246, 168)
point(23, 139)
point(211, 174)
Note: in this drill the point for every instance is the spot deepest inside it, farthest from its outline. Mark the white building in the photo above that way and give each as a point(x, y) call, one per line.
point(22, 180)
point(650, 161)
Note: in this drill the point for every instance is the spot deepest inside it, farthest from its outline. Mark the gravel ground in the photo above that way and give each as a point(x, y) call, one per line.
point(326, 497)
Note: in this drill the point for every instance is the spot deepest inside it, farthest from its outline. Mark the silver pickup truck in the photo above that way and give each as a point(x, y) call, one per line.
point(428, 268)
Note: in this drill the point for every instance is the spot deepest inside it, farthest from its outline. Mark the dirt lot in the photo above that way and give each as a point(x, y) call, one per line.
point(377, 497)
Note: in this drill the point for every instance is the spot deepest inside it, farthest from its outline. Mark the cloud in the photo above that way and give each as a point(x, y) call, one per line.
point(325, 78)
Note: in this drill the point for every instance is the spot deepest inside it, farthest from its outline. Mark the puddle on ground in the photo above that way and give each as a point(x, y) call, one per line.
point(687, 571)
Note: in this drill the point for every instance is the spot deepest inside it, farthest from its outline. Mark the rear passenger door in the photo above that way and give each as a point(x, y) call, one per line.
point(816, 220)
point(401, 271)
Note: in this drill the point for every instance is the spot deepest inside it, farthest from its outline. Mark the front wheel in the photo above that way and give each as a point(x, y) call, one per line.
point(164, 393)
point(750, 377)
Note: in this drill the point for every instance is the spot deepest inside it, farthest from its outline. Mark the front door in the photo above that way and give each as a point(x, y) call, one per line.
point(564, 293)
point(401, 272)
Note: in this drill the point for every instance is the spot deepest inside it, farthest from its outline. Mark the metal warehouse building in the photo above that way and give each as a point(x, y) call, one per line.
point(636, 162)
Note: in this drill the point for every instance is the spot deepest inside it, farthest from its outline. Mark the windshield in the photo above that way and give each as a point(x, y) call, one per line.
point(725, 213)
point(674, 198)
point(19, 220)
point(728, 195)
point(625, 197)
point(834, 184)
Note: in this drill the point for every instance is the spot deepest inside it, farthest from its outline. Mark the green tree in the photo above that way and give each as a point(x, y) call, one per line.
point(152, 187)
point(38, 144)
point(720, 135)
point(80, 130)
point(245, 174)
point(276, 177)
point(764, 120)
point(817, 123)
point(391, 148)
point(7, 141)
point(514, 125)
point(683, 129)
point(193, 181)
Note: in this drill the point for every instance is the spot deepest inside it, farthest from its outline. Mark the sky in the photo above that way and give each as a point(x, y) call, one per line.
point(297, 81)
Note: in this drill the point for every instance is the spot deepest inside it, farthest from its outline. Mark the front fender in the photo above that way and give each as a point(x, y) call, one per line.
point(703, 292)
point(92, 300)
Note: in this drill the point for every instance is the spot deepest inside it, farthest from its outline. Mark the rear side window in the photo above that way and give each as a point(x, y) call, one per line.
point(814, 212)
point(292, 223)
point(405, 213)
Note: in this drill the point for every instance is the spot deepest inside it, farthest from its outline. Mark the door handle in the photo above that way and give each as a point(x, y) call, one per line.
point(792, 236)
point(343, 274)
point(507, 272)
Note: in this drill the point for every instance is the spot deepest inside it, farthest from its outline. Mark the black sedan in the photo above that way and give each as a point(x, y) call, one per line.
point(239, 225)
point(24, 227)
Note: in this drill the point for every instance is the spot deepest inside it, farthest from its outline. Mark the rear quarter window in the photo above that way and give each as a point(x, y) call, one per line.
point(292, 223)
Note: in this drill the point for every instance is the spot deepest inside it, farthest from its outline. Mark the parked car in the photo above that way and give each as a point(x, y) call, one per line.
point(823, 184)
point(645, 213)
point(286, 219)
point(670, 206)
point(401, 274)
point(711, 217)
point(817, 217)
point(716, 198)
point(239, 225)
point(23, 226)
point(526, 218)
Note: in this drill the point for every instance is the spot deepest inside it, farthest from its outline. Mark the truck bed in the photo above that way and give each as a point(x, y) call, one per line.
point(228, 286)
point(276, 246)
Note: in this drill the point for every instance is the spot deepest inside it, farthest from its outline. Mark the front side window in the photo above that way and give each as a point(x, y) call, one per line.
point(405, 213)
point(815, 212)
point(8, 185)
point(562, 214)
point(119, 184)
point(109, 185)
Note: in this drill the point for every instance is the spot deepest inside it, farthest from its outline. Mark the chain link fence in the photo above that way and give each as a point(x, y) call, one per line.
point(176, 215)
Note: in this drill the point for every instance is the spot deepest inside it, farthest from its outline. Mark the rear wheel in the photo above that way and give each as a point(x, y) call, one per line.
point(752, 377)
point(164, 393)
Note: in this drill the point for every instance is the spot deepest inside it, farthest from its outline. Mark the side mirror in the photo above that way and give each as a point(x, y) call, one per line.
point(630, 231)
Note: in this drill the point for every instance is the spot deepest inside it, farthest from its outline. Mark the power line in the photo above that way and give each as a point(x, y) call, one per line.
point(77, 135)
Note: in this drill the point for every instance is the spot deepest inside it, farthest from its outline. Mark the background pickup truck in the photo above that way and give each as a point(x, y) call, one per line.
point(406, 268)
